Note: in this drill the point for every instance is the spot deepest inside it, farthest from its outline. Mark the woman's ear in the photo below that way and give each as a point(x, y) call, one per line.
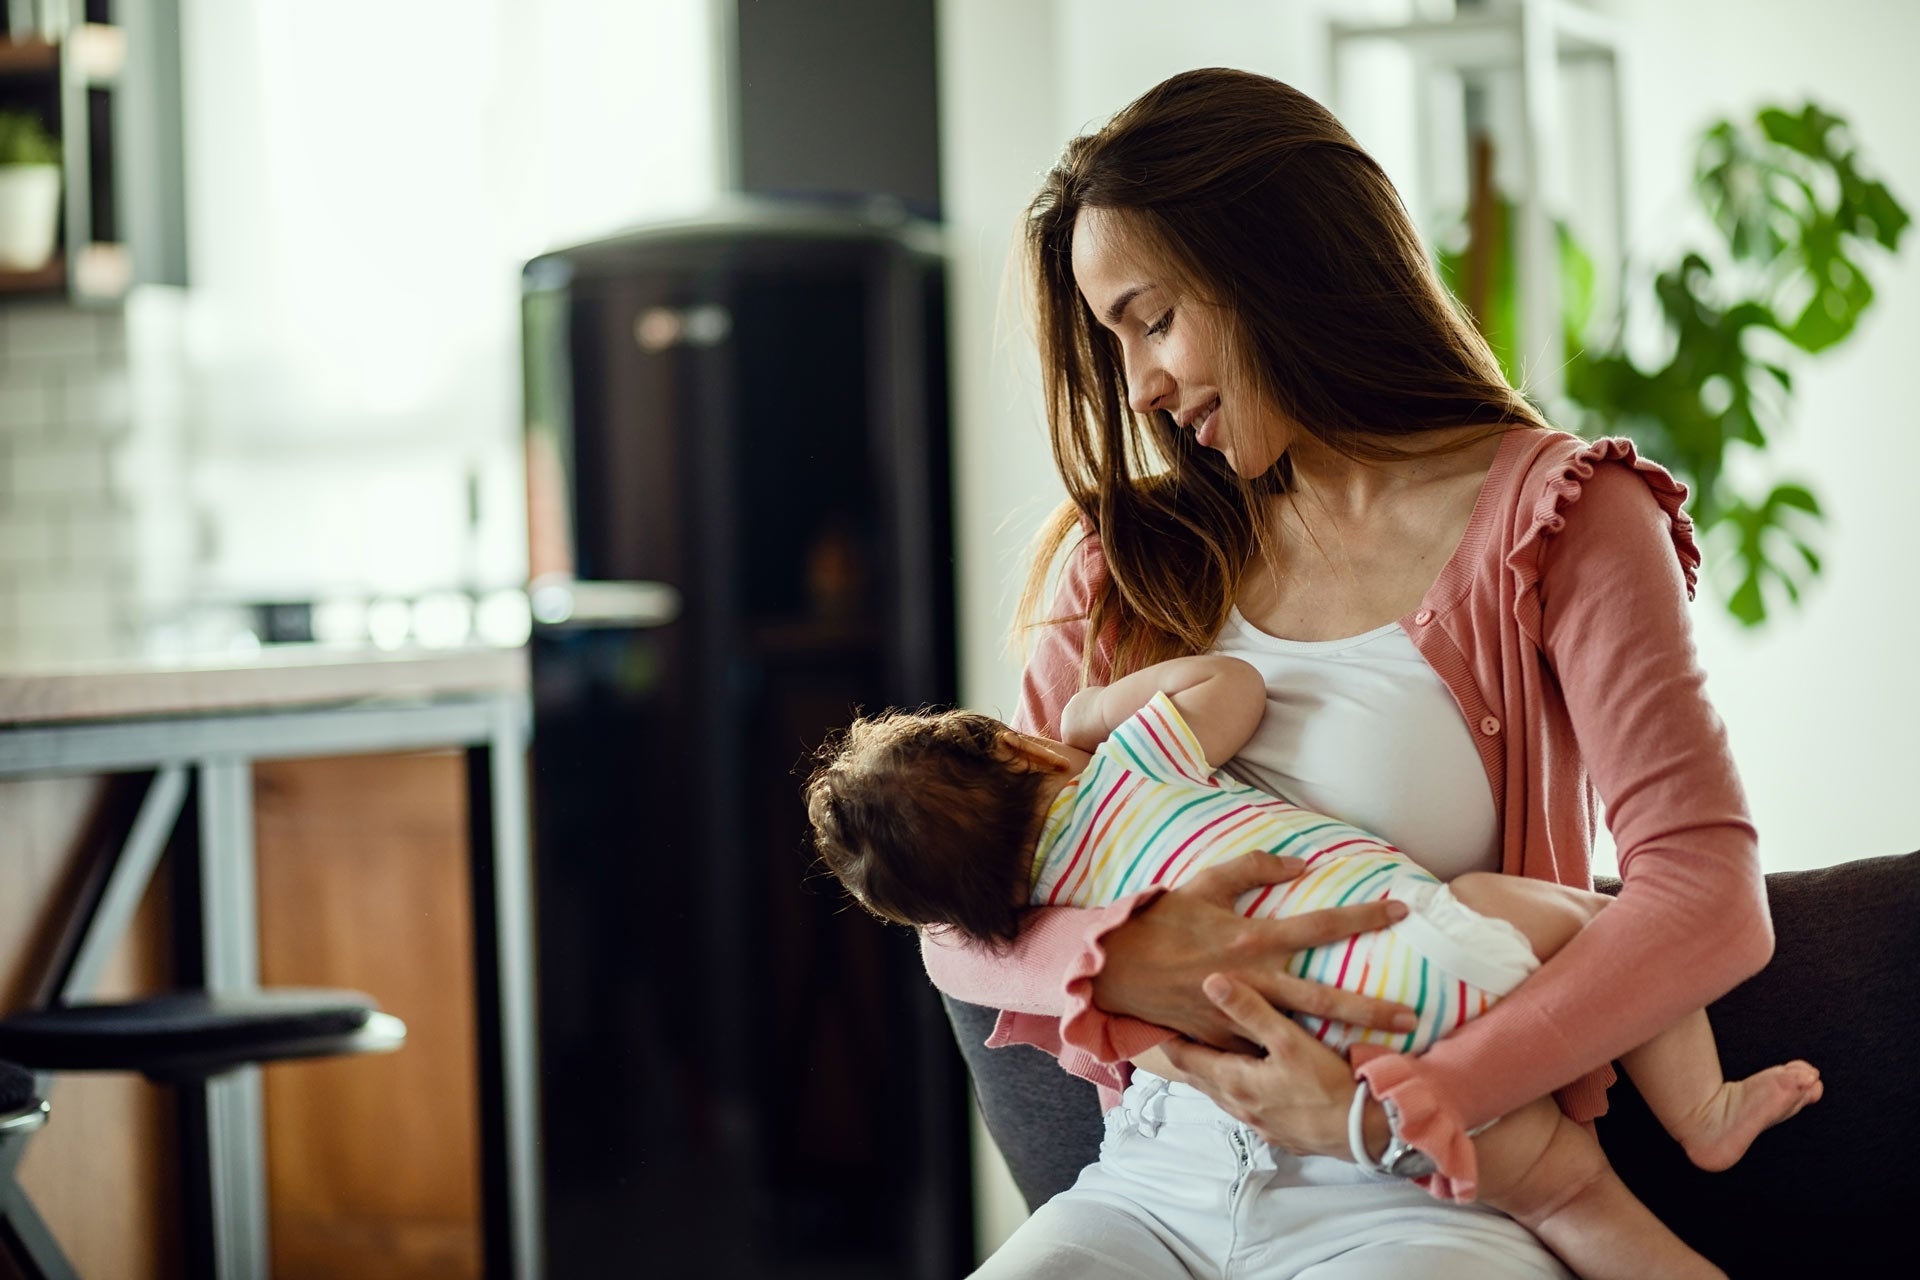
point(1037, 754)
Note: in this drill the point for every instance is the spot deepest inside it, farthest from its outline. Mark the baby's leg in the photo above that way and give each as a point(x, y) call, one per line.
point(1551, 1176)
point(1548, 913)
point(1678, 1071)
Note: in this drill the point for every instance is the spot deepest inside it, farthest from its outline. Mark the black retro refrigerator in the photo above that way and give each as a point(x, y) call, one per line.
point(740, 518)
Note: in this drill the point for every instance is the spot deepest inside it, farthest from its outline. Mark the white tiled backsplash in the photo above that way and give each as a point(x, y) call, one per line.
point(68, 575)
point(122, 516)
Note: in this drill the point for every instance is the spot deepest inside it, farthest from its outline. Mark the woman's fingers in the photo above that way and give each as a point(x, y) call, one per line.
point(1199, 1062)
point(1280, 939)
point(1157, 960)
point(1234, 877)
point(1245, 1086)
point(1251, 1013)
point(1332, 924)
point(1319, 1000)
point(1297, 1096)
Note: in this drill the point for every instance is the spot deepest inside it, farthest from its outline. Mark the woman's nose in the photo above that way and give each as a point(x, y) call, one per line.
point(1147, 388)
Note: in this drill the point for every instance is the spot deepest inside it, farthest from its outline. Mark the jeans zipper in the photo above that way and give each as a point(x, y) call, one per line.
point(1243, 1164)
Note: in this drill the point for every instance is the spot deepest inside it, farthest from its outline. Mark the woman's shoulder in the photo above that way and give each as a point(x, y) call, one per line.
point(1548, 476)
point(1082, 571)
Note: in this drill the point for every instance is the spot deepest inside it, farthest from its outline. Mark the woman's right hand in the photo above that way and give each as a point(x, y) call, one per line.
point(1156, 962)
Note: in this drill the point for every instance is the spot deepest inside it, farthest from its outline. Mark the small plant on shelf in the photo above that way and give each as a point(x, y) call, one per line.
point(24, 140)
point(29, 192)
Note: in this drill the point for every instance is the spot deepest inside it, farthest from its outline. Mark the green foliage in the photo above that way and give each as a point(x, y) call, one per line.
point(24, 140)
point(1793, 204)
point(1797, 218)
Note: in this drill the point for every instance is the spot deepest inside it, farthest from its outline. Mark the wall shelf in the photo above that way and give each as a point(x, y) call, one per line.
point(1494, 38)
point(28, 57)
point(51, 278)
point(108, 87)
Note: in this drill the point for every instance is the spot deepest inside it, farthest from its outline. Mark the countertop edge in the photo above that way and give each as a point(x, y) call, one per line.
point(285, 681)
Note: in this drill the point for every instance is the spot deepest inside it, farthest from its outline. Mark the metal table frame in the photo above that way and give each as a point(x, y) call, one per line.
point(217, 751)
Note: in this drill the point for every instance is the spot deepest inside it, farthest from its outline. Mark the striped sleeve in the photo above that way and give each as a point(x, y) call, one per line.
point(1156, 741)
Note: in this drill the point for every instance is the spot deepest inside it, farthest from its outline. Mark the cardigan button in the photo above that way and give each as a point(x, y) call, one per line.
point(1423, 617)
point(1489, 726)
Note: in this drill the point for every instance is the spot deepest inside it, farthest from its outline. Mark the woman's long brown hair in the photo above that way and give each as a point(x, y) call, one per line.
point(1255, 200)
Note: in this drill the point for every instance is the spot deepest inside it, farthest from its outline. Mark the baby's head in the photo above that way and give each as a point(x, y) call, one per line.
point(930, 818)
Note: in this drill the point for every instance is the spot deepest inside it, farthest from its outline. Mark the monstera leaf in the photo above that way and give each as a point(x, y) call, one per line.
point(1799, 221)
point(1791, 200)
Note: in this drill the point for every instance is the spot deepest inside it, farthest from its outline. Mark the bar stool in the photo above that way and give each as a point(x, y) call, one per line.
point(182, 1038)
point(199, 1038)
point(191, 1035)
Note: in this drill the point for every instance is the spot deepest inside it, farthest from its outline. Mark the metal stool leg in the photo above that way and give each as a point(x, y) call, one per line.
point(23, 1232)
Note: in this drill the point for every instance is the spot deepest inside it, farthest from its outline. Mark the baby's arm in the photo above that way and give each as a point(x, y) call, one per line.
point(1220, 698)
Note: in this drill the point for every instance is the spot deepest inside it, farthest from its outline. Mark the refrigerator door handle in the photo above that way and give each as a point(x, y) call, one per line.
point(569, 604)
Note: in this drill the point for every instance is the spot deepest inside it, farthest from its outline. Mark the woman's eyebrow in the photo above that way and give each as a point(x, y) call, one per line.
point(1118, 308)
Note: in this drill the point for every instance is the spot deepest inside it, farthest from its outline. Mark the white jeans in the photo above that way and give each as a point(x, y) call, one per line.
point(1182, 1189)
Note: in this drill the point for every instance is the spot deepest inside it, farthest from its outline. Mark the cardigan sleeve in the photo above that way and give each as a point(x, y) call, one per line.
point(1043, 983)
point(1606, 572)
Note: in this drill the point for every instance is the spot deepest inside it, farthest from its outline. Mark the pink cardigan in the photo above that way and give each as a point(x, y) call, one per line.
point(1560, 625)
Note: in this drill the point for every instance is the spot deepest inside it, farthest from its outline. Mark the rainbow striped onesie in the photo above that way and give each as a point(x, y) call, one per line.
point(1148, 810)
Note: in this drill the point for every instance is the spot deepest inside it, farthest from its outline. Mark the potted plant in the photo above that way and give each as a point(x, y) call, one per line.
point(1800, 219)
point(29, 192)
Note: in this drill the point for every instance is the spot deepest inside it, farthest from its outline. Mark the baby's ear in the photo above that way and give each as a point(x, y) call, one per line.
point(1028, 752)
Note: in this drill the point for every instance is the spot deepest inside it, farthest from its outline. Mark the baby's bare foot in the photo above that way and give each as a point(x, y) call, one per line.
point(1720, 1132)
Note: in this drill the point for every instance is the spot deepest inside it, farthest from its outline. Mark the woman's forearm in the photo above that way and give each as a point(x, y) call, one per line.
point(1685, 930)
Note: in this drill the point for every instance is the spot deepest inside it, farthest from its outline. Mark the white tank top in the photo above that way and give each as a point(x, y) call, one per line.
point(1363, 730)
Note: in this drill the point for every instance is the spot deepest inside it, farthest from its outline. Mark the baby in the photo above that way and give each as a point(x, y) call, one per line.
point(955, 819)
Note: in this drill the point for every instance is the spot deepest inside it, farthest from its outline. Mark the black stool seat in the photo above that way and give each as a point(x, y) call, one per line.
point(16, 1087)
point(195, 1033)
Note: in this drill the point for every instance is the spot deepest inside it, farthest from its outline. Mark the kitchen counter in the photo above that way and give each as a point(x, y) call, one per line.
point(194, 725)
point(46, 691)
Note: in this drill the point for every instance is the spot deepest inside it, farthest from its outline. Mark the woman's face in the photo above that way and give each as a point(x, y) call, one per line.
point(1171, 346)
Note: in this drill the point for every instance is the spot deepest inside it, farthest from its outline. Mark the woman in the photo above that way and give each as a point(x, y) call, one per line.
point(1281, 441)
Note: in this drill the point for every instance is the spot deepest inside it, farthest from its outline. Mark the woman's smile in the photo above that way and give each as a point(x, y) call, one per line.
point(1202, 421)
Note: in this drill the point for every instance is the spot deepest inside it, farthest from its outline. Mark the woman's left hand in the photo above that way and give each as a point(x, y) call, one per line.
point(1296, 1096)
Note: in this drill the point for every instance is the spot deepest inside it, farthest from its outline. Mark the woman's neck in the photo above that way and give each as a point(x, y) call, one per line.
point(1347, 489)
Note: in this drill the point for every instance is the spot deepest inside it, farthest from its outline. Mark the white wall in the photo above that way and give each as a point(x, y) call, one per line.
point(998, 104)
point(1819, 703)
point(364, 181)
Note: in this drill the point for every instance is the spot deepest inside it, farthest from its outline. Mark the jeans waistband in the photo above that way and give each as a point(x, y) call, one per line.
point(1151, 1102)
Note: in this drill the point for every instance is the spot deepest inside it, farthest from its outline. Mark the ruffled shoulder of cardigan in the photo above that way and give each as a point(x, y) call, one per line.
point(1556, 478)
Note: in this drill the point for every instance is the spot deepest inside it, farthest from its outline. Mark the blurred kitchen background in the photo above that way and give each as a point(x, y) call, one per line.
point(295, 406)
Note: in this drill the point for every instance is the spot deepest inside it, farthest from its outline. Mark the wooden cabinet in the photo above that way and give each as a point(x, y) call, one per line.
point(372, 1163)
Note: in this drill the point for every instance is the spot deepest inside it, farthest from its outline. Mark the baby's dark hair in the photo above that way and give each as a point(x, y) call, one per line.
point(927, 818)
